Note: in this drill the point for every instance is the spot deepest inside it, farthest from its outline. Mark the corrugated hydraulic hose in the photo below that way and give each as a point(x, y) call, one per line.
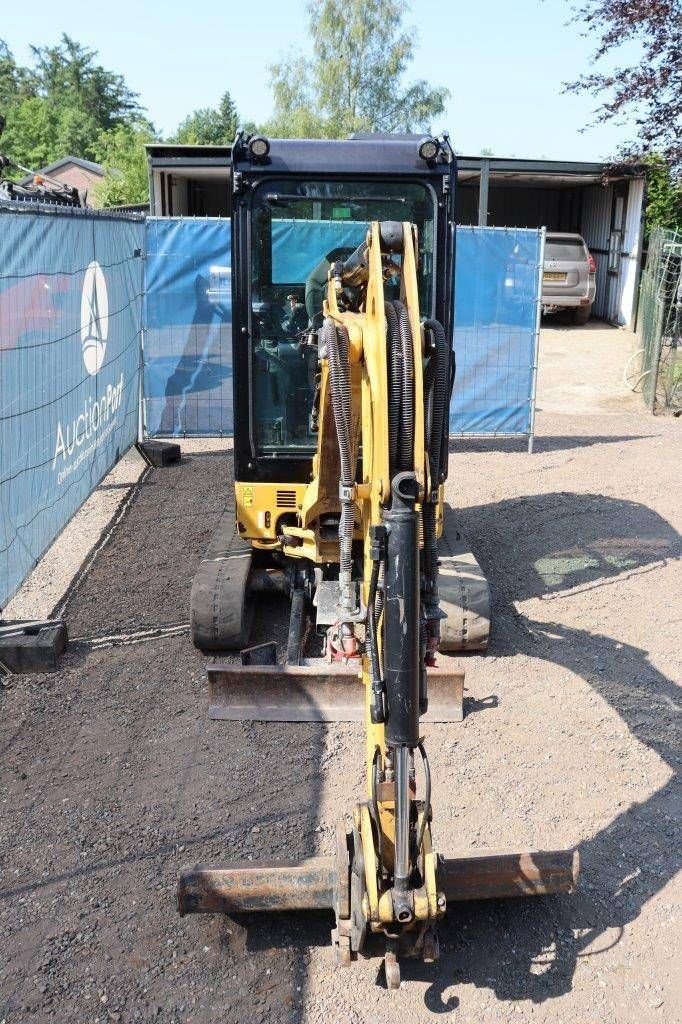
point(406, 438)
point(395, 374)
point(439, 381)
point(437, 387)
point(336, 343)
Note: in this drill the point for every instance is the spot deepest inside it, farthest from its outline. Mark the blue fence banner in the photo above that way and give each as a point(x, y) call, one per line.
point(80, 308)
point(188, 344)
point(70, 323)
point(188, 327)
point(497, 292)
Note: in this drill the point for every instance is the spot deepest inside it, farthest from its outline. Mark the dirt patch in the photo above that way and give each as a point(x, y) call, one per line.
point(580, 369)
point(112, 777)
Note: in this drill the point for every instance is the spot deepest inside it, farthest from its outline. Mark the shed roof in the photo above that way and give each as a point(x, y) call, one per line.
point(503, 170)
point(86, 165)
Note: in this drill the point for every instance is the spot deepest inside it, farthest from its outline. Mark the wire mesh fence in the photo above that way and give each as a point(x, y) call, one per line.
point(70, 320)
point(87, 300)
point(188, 327)
point(659, 322)
point(498, 273)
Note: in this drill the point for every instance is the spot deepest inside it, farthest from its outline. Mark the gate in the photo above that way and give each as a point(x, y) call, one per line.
point(498, 283)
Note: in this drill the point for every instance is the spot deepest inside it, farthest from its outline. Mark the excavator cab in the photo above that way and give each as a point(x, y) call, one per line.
point(298, 209)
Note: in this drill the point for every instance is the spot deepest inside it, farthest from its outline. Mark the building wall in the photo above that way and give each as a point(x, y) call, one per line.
point(557, 209)
point(78, 177)
point(616, 292)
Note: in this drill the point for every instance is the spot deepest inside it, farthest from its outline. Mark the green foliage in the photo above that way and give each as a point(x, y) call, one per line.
point(67, 73)
point(355, 81)
point(30, 136)
point(664, 195)
point(121, 151)
point(647, 35)
point(209, 126)
point(59, 106)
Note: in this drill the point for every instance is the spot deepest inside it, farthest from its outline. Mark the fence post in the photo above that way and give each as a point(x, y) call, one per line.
point(536, 352)
point(483, 186)
point(141, 417)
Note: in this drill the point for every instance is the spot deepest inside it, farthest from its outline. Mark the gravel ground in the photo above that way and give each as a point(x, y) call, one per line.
point(112, 778)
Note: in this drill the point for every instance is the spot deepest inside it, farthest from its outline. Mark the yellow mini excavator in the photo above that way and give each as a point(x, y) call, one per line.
point(342, 295)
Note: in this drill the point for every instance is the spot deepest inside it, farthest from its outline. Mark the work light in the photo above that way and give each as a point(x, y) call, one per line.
point(428, 149)
point(259, 147)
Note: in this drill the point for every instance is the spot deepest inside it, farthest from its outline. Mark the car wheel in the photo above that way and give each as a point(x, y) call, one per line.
point(582, 315)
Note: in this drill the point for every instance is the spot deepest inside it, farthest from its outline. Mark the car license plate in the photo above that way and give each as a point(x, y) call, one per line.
point(551, 275)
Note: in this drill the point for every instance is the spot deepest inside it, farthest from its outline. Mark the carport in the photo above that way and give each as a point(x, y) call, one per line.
point(189, 181)
point(602, 202)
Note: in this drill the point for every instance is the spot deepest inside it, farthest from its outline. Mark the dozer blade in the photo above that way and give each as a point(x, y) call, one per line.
point(316, 691)
point(313, 884)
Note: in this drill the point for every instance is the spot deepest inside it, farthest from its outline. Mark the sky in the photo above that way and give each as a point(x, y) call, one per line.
point(504, 63)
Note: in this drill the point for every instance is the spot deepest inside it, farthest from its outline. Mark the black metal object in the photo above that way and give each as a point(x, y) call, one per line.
point(296, 624)
point(401, 614)
point(159, 453)
point(395, 155)
point(33, 646)
point(377, 535)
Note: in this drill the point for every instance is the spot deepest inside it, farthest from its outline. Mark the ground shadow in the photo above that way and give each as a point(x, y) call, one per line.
point(541, 443)
point(529, 949)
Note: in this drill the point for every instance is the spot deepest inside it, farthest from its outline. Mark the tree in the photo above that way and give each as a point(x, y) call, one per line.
point(68, 75)
point(60, 106)
point(652, 87)
point(29, 138)
point(121, 151)
point(209, 126)
point(664, 196)
point(14, 80)
point(355, 81)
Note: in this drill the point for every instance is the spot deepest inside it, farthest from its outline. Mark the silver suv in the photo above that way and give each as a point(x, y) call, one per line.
point(568, 278)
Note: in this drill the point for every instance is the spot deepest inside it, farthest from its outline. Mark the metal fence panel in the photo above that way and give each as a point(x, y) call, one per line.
point(188, 345)
point(70, 316)
point(188, 327)
point(659, 321)
point(498, 279)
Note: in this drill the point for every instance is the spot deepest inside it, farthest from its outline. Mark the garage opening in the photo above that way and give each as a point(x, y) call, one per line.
point(603, 204)
point(190, 181)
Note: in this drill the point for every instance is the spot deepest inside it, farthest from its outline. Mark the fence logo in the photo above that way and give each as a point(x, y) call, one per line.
point(94, 318)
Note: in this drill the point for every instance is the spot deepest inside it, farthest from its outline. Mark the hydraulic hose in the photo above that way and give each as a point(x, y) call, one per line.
point(336, 343)
point(441, 383)
point(438, 382)
point(427, 797)
point(395, 374)
point(406, 438)
point(377, 708)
